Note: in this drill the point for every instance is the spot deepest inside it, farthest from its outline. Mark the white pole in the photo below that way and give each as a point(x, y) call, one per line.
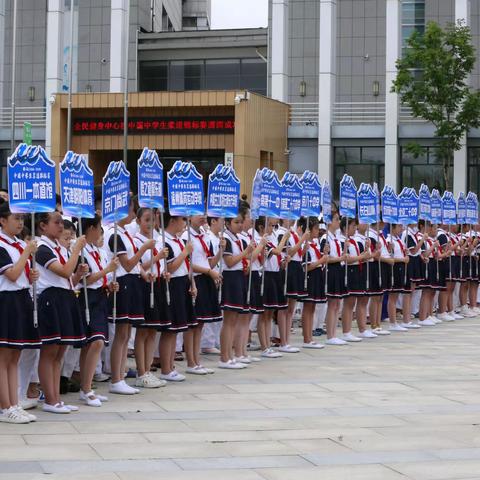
point(14, 48)
point(70, 87)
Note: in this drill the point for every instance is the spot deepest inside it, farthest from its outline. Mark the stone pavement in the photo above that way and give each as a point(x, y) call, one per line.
point(393, 408)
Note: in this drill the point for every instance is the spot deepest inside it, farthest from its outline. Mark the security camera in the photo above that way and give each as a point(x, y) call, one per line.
point(238, 99)
point(103, 60)
point(52, 99)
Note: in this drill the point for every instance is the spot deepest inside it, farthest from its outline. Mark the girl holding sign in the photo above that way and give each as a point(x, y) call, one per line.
point(60, 321)
point(156, 316)
point(130, 297)
point(207, 279)
point(98, 286)
point(445, 247)
point(17, 331)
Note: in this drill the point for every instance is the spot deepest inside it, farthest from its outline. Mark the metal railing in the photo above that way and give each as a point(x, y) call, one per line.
point(303, 114)
point(405, 116)
point(35, 115)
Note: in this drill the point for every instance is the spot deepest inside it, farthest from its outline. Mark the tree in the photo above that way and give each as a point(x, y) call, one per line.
point(432, 79)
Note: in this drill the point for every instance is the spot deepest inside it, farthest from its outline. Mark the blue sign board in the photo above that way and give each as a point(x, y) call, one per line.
point(389, 205)
point(461, 209)
point(291, 197)
point(256, 191)
point(367, 204)
point(76, 186)
point(436, 205)
point(449, 209)
point(472, 209)
point(327, 202)
point(425, 204)
point(270, 194)
point(377, 202)
point(407, 206)
point(150, 180)
point(348, 197)
point(311, 194)
point(115, 192)
point(31, 180)
point(185, 190)
point(223, 192)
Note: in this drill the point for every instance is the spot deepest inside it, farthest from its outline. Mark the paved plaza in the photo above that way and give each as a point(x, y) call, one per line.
point(394, 408)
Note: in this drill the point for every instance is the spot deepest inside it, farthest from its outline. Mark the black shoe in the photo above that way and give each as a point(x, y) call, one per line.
point(63, 385)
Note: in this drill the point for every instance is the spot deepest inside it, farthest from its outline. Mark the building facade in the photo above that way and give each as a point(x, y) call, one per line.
point(334, 62)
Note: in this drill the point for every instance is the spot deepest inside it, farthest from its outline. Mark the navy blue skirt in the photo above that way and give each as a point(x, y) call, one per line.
point(315, 287)
point(59, 318)
point(130, 300)
point(336, 281)
point(97, 329)
point(181, 310)
point(295, 280)
point(273, 297)
point(374, 282)
point(399, 284)
point(158, 316)
point(357, 280)
point(414, 270)
point(256, 302)
point(16, 321)
point(234, 291)
point(207, 308)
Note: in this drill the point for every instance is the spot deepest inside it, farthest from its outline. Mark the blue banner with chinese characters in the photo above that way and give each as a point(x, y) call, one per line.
point(311, 194)
point(436, 204)
point(115, 192)
point(223, 192)
point(291, 197)
point(389, 205)
point(472, 208)
point(150, 180)
point(461, 209)
point(185, 190)
point(348, 197)
point(449, 209)
point(31, 180)
point(76, 186)
point(270, 194)
point(327, 202)
point(407, 206)
point(367, 204)
point(425, 203)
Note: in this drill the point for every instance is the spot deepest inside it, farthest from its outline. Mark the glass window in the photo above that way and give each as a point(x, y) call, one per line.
point(473, 169)
point(217, 68)
point(347, 156)
point(153, 76)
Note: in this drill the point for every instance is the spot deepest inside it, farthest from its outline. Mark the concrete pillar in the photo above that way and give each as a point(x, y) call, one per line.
point(280, 50)
point(460, 158)
point(53, 82)
point(392, 50)
point(118, 68)
point(2, 49)
point(326, 86)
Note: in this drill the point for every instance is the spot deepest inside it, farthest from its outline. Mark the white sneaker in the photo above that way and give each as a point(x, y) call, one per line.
point(335, 341)
point(12, 415)
point(230, 365)
point(72, 408)
point(476, 310)
point(148, 381)
point(253, 359)
point(445, 317)
point(31, 417)
point(395, 327)
point(313, 345)
point(102, 398)
point(455, 315)
point(434, 319)
point(288, 349)
point(428, 322)
point(271, 353)
point(57, 408)
point(380, 331)
point(467, 312)
point(409, 325)
point(121, 388)
point(90, 399)
point(245, 360)
point(29, 403)
point(101, 377)
point(196, 370)
point(209, 371)
point(367, 334)
point(173, 376)
point(349, 337)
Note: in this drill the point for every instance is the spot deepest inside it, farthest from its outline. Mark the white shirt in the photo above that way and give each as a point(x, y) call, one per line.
point(215, 246)
point(252, 234)
point(175, 247)
point(234, 246)
point(9, 256)
point(125, 246)
point(50, 252)
point(201, 253)
point(411, 239)
point(272, 261)
point(94, 256)
point(313, 252)
point(147, 257)
point(292, 241)
point(383, 243)
point(399, 248)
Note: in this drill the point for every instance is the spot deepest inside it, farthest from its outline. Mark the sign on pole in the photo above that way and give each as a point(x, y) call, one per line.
point(326, 202)
point(425, 203)
point(348, 197)
point(407, 206)
point(27, 133)
point(367, 204)
point(150, 180)
point(291, 197)
point(389, 205)
point(449, 209)
point(223, 192)
point(115, 192)
point(311, 194)
point(185, 190)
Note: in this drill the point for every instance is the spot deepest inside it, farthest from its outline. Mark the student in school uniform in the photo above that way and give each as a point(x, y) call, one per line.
point(254, 303)
point(234, 288)
point(380, 276)
point(273, 296)
point(60, 322)
point(444, 297)
point(401, 259)
point(211, 331)
point(432, 282)
point(356, 283)
point(295, 283)
point(17, 331)
point(129, 299)
point(467, 288)
point(156, 316)
point(314, 263)
point(207, 281)
point(182, 292)
point(335, 283)
point(98, 288)
point(414, 238)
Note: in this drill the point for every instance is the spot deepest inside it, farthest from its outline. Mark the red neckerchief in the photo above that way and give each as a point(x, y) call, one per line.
point(337, 245)
point(357, 249)
point(96, 257)
point(204, 245)
point(430, 244)
point(135, 249)
point(279, 257)
point(296, 239)
point(383, 240)
point(157, 263)
point(317, 251)
point(62, 261)
point(18, 247)
point(244, 260)
point(182, 248)
point(402, 248)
